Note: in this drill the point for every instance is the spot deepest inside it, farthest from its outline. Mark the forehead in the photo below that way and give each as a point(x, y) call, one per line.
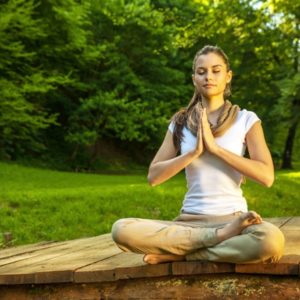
point(209, 60)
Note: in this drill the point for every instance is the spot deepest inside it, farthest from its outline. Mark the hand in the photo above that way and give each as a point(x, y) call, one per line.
point(208, 138)
point(199, 146)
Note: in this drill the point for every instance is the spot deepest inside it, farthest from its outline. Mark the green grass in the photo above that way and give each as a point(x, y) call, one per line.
point(38, 205)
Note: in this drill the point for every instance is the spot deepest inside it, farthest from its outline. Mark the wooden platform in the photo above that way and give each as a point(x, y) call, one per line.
point(97, 265)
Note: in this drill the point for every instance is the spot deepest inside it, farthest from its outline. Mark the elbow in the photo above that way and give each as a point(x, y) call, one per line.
point(268, 182)
point(151, 181)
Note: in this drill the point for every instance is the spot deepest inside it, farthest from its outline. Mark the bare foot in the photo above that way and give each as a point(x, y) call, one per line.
point(235, 227)
point(154, 259)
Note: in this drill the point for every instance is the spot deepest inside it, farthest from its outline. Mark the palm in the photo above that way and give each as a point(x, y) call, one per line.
point(208, 138)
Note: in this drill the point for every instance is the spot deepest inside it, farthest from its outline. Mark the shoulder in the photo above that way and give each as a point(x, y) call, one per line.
point(178, 119)
point(246, 119)
point(246, 114)
point(171, 126)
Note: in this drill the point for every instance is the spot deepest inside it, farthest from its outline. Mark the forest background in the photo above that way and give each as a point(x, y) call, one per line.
point(91, 85)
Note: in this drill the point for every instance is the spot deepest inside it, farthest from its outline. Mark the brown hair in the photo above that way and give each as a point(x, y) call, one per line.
point(190, 115)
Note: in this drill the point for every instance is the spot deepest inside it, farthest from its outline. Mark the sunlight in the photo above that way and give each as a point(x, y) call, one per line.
point(292, 175)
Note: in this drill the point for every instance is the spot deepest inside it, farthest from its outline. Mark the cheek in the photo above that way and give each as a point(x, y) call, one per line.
point(198, 78)
point(222, 80)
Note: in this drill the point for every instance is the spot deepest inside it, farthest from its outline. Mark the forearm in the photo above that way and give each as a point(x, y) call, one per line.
point(256, 170)
point(163, 170)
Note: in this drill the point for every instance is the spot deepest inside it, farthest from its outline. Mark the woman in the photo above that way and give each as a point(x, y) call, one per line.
point(211, 135)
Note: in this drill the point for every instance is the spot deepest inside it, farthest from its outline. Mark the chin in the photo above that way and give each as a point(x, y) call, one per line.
point(212, 94)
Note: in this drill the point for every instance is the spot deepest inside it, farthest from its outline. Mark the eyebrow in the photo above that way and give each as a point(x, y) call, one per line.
point(214, 66)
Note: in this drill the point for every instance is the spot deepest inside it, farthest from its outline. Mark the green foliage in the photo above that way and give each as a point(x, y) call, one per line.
point(74, 72)
point(128, 101)
point(23, 84)
point(105, 114)
point(290, 92)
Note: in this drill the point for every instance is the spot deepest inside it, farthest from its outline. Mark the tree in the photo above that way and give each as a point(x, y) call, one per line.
point(133, 86)
point(286, 14)
point(22, 119)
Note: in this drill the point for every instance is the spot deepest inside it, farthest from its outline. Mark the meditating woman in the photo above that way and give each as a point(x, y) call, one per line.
point(211, 136)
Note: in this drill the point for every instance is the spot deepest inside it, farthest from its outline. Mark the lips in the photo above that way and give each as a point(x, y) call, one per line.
point(209, 85)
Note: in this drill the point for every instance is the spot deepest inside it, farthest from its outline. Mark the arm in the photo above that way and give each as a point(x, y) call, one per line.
point(260, 165)
point(166, 164)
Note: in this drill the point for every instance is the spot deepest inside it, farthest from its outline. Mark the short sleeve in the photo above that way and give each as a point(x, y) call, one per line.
point(251, 119)
point(171, 126)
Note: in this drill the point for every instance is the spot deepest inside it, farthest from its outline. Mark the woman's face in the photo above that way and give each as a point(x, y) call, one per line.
point(211, 75)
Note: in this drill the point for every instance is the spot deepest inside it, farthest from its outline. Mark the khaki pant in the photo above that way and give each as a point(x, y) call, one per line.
point(195, 237)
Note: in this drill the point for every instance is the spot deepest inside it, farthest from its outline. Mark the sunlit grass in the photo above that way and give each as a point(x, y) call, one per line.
point(292, 175)
point(37, 204)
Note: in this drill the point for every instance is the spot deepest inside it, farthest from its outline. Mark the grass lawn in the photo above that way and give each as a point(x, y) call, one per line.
point(38, 205)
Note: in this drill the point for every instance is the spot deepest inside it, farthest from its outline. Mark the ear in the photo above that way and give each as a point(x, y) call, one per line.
point(228, 76)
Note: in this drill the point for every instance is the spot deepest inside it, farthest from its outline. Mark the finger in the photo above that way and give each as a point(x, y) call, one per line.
point(202, 116)
point(199, 133)
point(204, 119)
point(205, 114)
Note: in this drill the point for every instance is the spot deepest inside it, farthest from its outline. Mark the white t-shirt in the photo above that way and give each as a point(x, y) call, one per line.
point(213, 185)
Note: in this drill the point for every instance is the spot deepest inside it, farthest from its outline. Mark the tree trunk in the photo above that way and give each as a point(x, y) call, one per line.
point(287, 154)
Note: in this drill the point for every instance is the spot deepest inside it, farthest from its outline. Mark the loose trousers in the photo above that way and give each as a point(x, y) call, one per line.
point(194, 236)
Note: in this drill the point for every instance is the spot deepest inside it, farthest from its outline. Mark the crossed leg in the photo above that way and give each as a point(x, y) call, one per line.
point(230, 230)
point(241, 239)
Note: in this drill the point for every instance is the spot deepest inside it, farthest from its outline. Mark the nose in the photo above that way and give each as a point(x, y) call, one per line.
point(208, 76)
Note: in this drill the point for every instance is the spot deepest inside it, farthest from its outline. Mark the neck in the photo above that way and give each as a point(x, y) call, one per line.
point(213, 104)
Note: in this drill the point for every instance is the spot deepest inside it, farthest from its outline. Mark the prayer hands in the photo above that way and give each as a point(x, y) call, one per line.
point(205, 138)
point(208, 138)
point(199, 146)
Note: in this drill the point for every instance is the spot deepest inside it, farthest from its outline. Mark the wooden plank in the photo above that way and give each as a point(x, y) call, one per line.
point(12, 251)
point(201, 267)
point(292, 241)
point(71, 264)
point(81, 249)
point(100, 271)
point(123, 259)
point(46, 273)
point(122, 266)
point(105, 270)
point(146, 270)
point(278, 221)
point(292, 224)
point(58, 249)
point(57, 266)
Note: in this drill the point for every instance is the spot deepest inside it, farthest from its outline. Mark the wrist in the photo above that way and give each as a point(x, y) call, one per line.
point(195, 153)
point(216, 150)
